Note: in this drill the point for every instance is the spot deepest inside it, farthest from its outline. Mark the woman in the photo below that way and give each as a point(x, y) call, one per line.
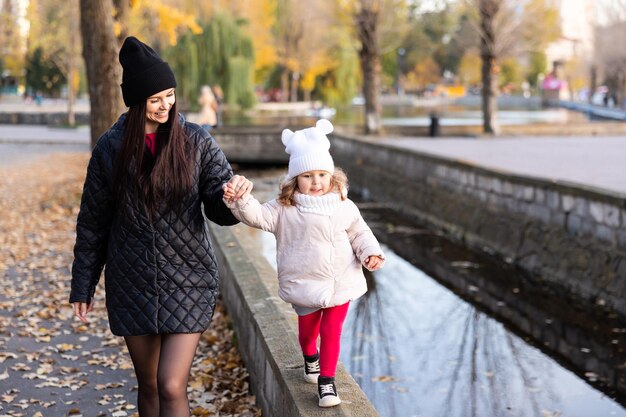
point(208, 108)
point(150, 178)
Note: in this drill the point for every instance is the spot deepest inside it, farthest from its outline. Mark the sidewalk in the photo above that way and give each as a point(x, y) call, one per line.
point(51, 364)
point(593, 161)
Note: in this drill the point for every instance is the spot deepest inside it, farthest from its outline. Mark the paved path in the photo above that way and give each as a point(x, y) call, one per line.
point(19, 143)
point(43, 134)
point(597, 161)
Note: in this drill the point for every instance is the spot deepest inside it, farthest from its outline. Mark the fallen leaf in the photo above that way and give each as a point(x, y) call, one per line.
point(383, 378)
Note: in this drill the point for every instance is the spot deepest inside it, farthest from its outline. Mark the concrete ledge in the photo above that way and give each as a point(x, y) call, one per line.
point(50, 118)
point(267, 338)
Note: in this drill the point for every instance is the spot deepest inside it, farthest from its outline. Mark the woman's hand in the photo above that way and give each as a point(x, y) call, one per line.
point(374, 262)
point(81, 310)
point(238, 187)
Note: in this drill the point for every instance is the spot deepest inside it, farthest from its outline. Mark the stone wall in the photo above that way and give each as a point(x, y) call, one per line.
point(571, 237)
point(267, 339)
point(254, 144)
point(41, 118)
point(582, 337)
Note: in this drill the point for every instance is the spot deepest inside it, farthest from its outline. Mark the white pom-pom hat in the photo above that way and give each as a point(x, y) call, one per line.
point(308, 149)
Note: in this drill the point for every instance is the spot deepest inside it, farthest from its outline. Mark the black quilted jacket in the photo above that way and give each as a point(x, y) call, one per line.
point(161, 274)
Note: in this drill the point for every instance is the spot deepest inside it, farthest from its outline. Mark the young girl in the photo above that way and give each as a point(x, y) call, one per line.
point(322, 241)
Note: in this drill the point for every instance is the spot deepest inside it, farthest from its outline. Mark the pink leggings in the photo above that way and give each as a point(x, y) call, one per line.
point(326, 323)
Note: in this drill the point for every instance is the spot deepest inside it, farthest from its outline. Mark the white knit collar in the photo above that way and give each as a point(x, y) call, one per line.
point(323, 204)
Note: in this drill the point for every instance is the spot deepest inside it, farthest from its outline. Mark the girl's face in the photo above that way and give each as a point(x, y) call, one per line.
point(157, 109)
point(314, 183)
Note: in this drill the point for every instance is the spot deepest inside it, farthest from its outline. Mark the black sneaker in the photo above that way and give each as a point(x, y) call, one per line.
point(327, 391)
point(311, 368)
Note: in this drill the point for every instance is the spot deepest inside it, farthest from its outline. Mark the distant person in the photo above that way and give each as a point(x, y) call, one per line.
point(151, 179)
point(322, 242)
point(219, 97)
point(208, 108)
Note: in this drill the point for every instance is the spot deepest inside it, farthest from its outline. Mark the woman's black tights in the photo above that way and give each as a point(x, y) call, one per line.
point(162, 364)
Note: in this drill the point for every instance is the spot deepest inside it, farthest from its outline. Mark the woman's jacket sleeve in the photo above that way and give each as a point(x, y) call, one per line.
point(92, 227)
point(214, 172)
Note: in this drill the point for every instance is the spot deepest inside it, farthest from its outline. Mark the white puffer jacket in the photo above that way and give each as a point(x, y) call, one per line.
point(319, 256)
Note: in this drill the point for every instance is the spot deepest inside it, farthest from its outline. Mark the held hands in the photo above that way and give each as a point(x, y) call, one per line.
point(374, 262)
point(238, 187)
point(81, 310)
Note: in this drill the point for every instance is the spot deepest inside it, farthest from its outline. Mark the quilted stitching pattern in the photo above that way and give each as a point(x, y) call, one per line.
point(161, 275)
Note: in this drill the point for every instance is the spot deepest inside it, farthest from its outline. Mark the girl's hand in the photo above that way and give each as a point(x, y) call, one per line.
point(374, 262)
point(238, 187)
point(81, 310)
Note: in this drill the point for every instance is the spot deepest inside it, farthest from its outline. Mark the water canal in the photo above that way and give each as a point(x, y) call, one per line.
point(450, 333)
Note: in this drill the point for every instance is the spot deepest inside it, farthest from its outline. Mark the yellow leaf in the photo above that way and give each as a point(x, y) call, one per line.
point(383, 378)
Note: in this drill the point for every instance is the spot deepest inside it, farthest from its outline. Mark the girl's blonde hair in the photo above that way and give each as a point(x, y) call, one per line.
point(338, 183)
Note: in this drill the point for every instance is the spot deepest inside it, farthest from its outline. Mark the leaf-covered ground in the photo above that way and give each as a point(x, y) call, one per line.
point(50, 363)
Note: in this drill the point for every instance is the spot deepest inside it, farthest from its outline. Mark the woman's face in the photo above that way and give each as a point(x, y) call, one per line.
point(314, 183)
point(158, 107)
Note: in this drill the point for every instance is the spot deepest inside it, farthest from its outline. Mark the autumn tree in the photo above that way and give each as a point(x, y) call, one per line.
point(489, 10)
point(259, 20)
point(304, 43)
point(505, 29)
point(367, 18)
point(11, 41)
point(434, 44)
point(100, 51)
point(122, 12)
point(378, 27)
point(610, 55)
point(43, 75)
point(289, 32)
point(54, 33)
point(469, 70)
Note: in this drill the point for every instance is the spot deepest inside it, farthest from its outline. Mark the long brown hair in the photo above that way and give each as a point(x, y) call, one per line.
point(165, 180)
point(338, 183)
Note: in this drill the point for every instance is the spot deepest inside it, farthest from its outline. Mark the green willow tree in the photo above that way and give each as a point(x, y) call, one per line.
point(339, 85)
point(222, 54)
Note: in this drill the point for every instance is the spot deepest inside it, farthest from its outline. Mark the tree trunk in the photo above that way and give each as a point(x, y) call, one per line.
point(593, 83)
point(72, 71)
point(101, 63)
point(619, 94)
point(284, 85)
point(367, 24)
point(488, 10)
point(122, 15)
point(295, 78)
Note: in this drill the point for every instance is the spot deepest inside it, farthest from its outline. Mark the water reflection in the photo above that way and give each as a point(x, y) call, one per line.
point(407, 115)
point(417, 349)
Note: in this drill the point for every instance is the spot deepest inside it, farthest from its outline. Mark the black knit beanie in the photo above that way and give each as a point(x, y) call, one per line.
point(144, 72)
